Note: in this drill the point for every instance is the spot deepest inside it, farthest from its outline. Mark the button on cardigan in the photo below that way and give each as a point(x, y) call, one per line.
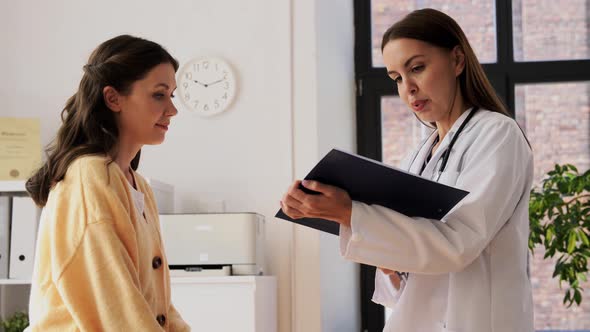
point(94, 258)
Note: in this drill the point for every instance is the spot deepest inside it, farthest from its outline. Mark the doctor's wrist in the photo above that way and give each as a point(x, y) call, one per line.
point(346, 216)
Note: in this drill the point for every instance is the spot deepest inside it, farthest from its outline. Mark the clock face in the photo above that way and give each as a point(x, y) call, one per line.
point(206, 86)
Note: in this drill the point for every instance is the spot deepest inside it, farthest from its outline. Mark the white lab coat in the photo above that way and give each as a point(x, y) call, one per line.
point(468, 271)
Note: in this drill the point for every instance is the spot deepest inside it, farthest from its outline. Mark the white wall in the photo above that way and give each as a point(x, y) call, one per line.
point(326, 287)
point(295, 100)
point(339, 279)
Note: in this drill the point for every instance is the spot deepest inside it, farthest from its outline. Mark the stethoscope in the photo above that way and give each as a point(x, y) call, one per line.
point(445, 155)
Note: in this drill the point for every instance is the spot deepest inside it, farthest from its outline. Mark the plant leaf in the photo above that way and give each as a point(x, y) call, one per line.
point(577, 296)
point(571, 242)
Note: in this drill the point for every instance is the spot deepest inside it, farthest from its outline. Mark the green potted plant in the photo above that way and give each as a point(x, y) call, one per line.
point(16, 323)
point(560, 222)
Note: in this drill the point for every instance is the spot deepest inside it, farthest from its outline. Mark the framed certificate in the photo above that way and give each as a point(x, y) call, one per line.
point(20, 148)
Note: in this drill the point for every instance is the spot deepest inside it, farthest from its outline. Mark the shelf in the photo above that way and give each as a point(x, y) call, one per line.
point(12, 186)
point(14, 282)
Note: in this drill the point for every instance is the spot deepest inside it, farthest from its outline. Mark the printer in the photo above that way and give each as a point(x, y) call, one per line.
point(206, 244)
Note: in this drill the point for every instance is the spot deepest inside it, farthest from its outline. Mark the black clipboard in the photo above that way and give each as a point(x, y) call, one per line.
point(372, 182)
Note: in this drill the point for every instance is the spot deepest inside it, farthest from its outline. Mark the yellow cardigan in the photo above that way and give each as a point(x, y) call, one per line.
point(99, 266)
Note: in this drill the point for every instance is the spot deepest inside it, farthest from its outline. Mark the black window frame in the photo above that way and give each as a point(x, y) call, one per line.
point(373, 83)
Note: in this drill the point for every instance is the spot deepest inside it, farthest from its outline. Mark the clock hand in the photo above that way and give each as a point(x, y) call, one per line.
point(203, 84)
point(221, 80)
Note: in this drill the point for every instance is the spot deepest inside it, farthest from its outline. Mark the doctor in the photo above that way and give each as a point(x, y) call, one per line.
point(467, 272)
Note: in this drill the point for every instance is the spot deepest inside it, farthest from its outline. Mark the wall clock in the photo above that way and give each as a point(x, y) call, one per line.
point(206, 86)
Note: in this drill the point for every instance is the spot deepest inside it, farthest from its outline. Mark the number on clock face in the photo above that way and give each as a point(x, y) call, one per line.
point(207, 85)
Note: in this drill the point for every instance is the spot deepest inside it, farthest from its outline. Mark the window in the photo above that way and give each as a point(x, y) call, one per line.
point(550, 30)
point(476, 16)
point(401, 131)
point(536, 53)
point(556, 118)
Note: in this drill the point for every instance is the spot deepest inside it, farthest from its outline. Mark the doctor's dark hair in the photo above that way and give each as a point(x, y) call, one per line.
point(88, 125)
point(438, 29)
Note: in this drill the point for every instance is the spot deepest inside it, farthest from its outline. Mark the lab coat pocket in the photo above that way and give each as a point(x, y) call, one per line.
point(448, 177)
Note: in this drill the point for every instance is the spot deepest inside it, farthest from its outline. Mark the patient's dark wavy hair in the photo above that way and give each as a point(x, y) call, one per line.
point(88, 125)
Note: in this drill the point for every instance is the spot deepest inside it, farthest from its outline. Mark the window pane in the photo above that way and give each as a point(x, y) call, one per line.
point(556, 119)
point(551, 30)
point(476, 18)
point(400, 130)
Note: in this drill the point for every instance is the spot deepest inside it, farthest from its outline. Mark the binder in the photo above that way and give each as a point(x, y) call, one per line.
point(4, 235)
point(25, 219)
point(372, 182)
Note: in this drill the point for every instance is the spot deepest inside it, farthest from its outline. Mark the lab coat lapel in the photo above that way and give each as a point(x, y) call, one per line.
point(420, 155)
point(433, 164)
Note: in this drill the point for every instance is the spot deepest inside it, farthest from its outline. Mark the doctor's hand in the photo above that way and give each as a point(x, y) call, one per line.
point(332, 203)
